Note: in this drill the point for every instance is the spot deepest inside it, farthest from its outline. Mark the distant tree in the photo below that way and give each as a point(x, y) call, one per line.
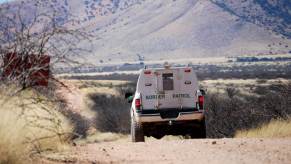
point(32, 31)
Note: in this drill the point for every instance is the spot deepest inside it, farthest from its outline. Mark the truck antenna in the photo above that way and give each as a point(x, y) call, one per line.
point(167, 65)
point(190, 64)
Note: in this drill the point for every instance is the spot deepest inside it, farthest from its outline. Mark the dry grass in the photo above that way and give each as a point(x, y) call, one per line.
point(274, 129)
point(29, 125)
point(12, 149)
point(96, 86)
point(94, 83)
point(245, 86)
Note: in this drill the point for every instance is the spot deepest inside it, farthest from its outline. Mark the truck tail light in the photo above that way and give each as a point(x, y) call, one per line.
point(201, 102)
point(147, 72)
point(187, 70)
point(137, 104)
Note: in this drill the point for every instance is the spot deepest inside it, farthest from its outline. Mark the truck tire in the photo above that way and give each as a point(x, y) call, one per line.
point(199, 132)
point(136, 131)
point(202, 130)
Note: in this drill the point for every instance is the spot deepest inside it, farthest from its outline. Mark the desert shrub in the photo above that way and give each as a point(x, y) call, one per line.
point(231, 92)
point(113, 111)
point(29, 125)
point(260, 90)
point(227, 114)
point(261, 81)
point(80, 125)
point(12, 147)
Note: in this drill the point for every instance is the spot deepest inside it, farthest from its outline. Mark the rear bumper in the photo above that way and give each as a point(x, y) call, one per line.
point(169, 115)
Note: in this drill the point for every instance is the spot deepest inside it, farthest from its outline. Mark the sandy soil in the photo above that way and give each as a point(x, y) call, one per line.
point(222, 151)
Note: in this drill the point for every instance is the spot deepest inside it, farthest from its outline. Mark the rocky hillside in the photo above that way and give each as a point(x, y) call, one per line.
point(135, 30)
point(273, 15)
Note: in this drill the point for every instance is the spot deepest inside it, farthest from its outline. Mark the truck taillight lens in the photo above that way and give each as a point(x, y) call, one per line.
point(147, 72)
point(201, 102)
point(187, 70)
point(137, 104)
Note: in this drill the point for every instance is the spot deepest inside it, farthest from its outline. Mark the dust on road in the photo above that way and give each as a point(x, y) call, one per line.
point(208, 151)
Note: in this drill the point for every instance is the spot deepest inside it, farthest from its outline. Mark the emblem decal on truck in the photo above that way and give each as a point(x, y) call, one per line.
point(185, 95)
point(149, 97)
point(181, 95)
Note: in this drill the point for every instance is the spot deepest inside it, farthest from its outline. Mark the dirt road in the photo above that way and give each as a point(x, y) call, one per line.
point(254, 151)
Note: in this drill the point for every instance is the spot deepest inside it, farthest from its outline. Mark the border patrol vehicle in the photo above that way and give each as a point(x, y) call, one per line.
point(167, 101)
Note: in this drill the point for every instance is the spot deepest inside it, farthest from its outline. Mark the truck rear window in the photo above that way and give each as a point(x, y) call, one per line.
point(168, 81)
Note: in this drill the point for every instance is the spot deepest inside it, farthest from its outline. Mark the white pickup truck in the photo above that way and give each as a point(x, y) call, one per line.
point(167, 101)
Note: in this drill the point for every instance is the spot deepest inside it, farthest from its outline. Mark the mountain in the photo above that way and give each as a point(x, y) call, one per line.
point(136, 30)
point(270, 14)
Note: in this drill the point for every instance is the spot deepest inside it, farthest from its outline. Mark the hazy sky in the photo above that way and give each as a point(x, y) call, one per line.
point(1, 1)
